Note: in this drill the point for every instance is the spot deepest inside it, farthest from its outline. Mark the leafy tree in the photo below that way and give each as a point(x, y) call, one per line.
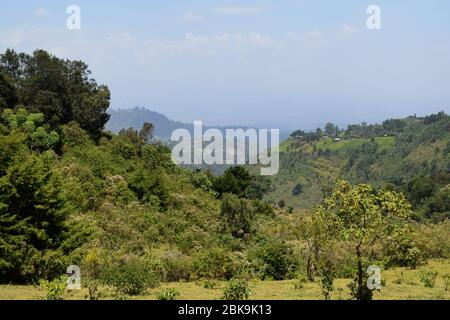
point(146, 133)
point(32, 216)
point(363, 217)
point(330, 129)
point(8, 94)
point(235, 180)
point(274, 259)
point(61, 90)
point(237, 289)
point(237, 214)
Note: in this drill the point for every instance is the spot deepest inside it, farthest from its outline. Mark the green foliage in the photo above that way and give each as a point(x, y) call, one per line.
point(55, 289)
point(30, 124)
point(238, 215)
point(236, 289)
point(168, 294)
point(216, 263)
point(235, 180)
point(403, 251)
point(300, 281)
point(132, 277)
point(327, 276)
point(428, 277)
point(61, 90)
point(273, 259)
point(363, 217)
point(210, 284)
point(33, 213)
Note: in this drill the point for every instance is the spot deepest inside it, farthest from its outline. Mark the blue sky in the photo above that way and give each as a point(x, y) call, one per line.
point(286, 63)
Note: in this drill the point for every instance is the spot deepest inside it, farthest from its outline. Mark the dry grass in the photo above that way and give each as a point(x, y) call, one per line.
point(401, 284)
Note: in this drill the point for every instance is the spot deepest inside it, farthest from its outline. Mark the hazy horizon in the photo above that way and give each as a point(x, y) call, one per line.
point(288, 64)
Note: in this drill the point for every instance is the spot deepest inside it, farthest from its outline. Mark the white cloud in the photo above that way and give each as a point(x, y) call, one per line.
point(310, 39)
point(239, 10)
point(191, 17)
point(348, 30)
point(40, 13)
point(229, 44)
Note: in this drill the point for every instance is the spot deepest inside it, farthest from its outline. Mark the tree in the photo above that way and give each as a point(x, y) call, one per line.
point(235, 180)
point(330, 129)
point(61, 90)
point(237, 214)
point(363, 217)
point(32, 217)
point(146, 133)
point(8, 94)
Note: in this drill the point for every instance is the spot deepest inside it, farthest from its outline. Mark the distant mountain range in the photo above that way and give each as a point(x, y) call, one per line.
point(135, 118)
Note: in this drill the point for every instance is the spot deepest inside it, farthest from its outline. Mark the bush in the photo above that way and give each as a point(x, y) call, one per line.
point(210, 284)
point(403, 253)
point(300, 282)
point(177, 267)
point(273, 259)
point(216, 263)
point(132, 277)
point(237, 289)
point(237, 215)
point(55, 289)
point(428, 278)
point(327, 276)
point(168, 294)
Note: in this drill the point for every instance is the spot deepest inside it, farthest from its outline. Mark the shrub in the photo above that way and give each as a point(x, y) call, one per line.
point(300, 282)
point(177, 267)
point(237, 215)
point(273, 258)
point(132, 277)
point(237, 289)
point(210, 284)
point(168, 294)
point(216, 263)
point(55, 289)
point(327, 275)
point(428, 278)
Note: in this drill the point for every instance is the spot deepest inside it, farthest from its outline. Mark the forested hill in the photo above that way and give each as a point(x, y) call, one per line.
point(411, 155)
point(164, 127)
point(135, 118)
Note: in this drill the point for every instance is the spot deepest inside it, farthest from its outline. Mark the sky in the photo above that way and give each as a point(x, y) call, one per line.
point(287, 63)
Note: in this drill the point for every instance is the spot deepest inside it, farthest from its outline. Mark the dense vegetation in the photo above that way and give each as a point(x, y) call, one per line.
point(116, 205)
point(409, 155)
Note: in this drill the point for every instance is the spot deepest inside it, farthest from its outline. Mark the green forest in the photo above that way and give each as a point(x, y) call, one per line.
point(140, 227)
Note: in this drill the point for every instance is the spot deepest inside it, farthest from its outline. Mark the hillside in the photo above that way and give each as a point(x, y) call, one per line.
point(394, 154)
point(135, 118)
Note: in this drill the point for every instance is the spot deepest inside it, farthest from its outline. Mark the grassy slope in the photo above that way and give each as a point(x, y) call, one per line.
point(297, 165)
point(410, 288)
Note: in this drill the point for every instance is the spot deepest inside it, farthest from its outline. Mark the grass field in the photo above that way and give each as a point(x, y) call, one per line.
point(400, 284)
point(341, 146)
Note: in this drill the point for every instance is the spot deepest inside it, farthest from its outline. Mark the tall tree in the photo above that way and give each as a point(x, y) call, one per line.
point(363, 216)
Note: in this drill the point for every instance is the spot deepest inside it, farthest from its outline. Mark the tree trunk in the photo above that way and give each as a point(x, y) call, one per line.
point(360, 295)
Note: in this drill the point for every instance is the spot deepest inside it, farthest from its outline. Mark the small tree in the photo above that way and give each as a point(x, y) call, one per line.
point(55, 289)
point(237, 214)
point(363, 217)
point(237, 289)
